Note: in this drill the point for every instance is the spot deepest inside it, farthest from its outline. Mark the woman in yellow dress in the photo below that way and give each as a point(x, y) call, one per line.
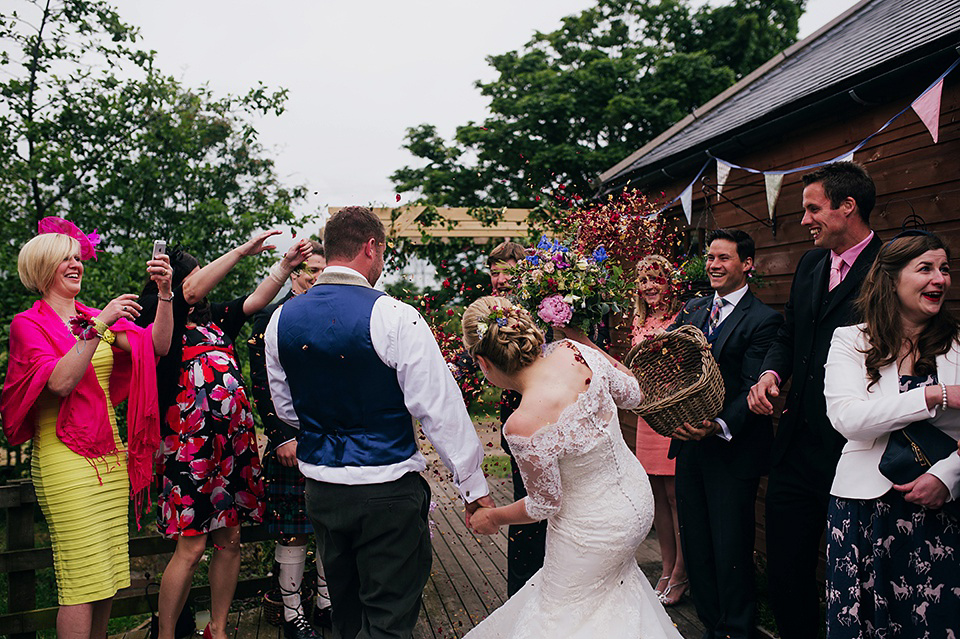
point(69, 365)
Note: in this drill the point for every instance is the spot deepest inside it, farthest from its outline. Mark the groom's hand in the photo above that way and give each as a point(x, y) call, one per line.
point(287, 453)
point(471, 507)
point(689, 432)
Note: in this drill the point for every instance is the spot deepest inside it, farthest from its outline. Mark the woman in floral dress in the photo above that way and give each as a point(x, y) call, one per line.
point(210, 472)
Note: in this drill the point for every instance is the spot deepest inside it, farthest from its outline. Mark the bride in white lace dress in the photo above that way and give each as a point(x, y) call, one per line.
point(579, 475)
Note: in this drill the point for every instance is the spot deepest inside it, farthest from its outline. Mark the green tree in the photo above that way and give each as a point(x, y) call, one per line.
point(577, 100)
point(92, 131)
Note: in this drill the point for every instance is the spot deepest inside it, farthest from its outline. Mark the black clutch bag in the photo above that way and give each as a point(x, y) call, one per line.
point(911, 452)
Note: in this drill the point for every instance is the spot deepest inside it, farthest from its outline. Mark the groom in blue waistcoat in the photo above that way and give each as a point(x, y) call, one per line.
point(351, 368)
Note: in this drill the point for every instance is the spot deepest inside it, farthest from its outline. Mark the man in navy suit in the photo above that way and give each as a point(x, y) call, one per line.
point(837, 200)
point(719, 462)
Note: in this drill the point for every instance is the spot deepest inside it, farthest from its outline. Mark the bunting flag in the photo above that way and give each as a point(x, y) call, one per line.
point(772, 182)
point(723, 171)
point(686, 201)
point(845, 158)
point(927, 107)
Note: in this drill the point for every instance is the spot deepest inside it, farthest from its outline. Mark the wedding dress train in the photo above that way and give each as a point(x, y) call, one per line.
point(583, 479)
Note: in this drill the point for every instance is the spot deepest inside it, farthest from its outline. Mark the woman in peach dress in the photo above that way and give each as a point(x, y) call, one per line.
point(657, 306)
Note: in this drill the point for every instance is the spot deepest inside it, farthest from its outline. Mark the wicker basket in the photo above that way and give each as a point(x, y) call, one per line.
point(273, 604)
point(679, 378)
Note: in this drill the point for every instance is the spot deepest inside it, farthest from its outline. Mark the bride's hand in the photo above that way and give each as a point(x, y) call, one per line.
point(482, 522)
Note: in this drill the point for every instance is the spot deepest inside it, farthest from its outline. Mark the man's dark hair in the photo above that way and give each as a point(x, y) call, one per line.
point(841, 180)
point(505, 251)
point(745, 245)
point(316, 248)
point(348, 230)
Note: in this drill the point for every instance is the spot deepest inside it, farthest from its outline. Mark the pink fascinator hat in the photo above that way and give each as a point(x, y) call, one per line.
point(88, 243)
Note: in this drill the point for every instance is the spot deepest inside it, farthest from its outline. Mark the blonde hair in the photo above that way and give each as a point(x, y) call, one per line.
point(39, 258)
point(510, 347)
point(655, 265)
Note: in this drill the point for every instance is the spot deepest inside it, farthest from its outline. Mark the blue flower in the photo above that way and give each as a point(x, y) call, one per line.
point(600, 254)
point(501, 321)
point(558, 247)
point(534, 259)
point(544, 243)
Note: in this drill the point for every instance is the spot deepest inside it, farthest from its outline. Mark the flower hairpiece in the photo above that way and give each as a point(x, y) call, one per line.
point(88, 242)
point(497, 316)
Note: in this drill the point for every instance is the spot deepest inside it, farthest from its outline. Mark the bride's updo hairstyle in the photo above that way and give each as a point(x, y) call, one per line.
point(503, 333)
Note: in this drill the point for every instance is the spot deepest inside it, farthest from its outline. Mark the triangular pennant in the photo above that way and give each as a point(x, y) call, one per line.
point(723, 170)
point(686, 201)
point(927, 107)
point(845, 158)
point(772, 182)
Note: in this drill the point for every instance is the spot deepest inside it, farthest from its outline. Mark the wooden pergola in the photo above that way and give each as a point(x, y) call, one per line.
point(456, 222)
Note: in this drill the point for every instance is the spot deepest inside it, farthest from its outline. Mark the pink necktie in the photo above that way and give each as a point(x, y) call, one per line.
point(836, 271)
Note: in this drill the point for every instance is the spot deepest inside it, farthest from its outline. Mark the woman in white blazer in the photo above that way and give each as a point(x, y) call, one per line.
point(891, 551)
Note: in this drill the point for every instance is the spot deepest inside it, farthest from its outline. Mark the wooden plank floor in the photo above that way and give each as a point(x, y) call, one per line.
point(468, 579)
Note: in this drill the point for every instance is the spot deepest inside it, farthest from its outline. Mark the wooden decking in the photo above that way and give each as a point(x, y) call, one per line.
point(468, 580)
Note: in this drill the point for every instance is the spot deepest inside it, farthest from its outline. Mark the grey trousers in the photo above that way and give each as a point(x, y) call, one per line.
point(374, 541)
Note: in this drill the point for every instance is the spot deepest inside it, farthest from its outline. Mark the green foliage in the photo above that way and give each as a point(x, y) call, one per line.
point(575, 101)
point(572, 103)
point(91, 131)
point(497, 466)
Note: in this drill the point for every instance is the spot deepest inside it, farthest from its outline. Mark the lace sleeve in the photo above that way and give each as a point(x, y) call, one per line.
point(538, 458)
point(624, 388)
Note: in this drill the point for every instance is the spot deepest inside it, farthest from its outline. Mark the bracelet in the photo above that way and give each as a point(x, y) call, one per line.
point(103, 331)
point(278, 274)
point(165, 299)
point(943, 390)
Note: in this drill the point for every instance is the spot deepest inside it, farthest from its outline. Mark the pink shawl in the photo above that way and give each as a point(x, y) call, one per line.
point(38, 339)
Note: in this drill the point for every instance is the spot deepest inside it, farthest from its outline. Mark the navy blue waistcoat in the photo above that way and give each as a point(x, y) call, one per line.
point(349, 402)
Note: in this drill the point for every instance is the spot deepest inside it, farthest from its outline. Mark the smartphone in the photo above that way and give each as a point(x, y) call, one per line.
point(159, 247)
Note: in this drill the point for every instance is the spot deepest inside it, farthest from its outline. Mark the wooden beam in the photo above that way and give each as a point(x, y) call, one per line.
point(34, 558)
point(127, 602)
point(400, 222)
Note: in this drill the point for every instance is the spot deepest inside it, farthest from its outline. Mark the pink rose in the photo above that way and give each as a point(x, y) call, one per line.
point(554, 311)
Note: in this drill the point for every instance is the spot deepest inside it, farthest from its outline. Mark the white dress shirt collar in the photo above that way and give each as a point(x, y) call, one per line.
point(732, 299)
point(345, 270)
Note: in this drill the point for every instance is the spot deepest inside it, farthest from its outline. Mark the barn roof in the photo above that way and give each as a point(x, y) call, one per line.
point(872, 38)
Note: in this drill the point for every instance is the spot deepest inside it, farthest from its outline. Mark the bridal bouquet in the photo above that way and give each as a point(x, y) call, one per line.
point(565, 286)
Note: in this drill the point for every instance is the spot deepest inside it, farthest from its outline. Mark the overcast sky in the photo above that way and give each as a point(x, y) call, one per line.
point(359, 73)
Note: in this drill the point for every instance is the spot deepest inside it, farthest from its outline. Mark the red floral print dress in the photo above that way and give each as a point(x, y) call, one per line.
point(211, 468)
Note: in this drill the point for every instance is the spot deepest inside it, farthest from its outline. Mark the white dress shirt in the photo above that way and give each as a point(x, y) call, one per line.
point(731, 299)
point(403, 341)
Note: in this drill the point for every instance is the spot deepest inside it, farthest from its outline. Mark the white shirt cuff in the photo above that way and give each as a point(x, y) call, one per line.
point(725, 430)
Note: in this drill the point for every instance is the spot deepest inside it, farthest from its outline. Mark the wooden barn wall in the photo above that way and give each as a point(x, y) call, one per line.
point(911, 172)
point(913, 175)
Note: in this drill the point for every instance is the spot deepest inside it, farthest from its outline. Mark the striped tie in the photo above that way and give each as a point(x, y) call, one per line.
point(715, 314)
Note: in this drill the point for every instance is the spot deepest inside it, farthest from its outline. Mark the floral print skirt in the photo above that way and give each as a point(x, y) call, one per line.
point(211, 469)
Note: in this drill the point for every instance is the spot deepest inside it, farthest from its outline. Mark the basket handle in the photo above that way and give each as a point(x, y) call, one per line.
point(688, 330)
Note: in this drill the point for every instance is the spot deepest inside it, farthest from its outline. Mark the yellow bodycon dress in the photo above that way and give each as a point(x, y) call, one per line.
point(87, 520)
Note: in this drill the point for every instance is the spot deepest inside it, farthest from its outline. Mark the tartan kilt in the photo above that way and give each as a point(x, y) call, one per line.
point(286, 510)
